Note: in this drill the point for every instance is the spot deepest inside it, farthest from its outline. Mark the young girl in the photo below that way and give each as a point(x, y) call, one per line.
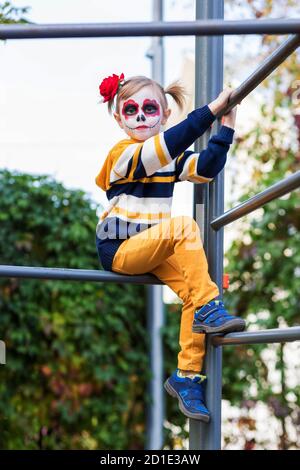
point(136, 233)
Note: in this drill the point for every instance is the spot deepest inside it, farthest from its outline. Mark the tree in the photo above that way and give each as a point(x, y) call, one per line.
point(77, 352)
point(264, 260)
point(77, 360)
point(11, 14)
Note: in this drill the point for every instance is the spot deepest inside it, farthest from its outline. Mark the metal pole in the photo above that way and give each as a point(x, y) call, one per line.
point(266, 68)
point(209, 82)
point(156, 407)
point(156, 314)
point(155, 28)
point(273, 192)
point(212, 439)
point(275, 335)
point(203, 93)
point(67, 274)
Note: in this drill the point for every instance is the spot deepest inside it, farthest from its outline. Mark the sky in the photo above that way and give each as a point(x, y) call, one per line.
point(50, 119)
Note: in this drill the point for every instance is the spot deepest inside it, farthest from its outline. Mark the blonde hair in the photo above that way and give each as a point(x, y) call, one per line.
point(134, 84)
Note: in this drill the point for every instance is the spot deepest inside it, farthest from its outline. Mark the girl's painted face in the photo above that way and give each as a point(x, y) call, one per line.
point(141, 114)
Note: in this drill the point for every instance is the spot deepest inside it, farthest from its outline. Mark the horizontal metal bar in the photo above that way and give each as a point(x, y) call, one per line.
point(276, 190)
point(155, 28)
point(276, 335)
point(32, 272)
point(264, 70)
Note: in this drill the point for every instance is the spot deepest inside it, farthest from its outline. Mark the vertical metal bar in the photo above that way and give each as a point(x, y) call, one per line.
point(203, 94)
point(209, 82)
point(208, 436)
point(156, 407)
point(212, 440)
point(156, 314)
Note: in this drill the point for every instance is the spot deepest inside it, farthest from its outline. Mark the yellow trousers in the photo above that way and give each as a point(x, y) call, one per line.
point(172, 250)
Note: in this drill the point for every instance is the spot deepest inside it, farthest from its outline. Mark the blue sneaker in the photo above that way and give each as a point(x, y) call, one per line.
point(190, 394)
point(214, 318)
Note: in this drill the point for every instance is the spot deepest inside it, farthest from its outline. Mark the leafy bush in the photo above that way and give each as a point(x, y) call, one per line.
point(77, 352)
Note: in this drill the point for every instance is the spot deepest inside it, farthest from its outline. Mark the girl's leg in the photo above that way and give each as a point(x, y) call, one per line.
point(167, 245)
point(179, 236)
point(192, 345)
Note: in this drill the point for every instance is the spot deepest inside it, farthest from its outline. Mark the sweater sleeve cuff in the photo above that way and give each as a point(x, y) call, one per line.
point(203, 113)
point(226, 133)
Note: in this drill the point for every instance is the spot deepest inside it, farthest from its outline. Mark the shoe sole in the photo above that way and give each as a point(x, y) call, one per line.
point(231, 326)
point(174, 394)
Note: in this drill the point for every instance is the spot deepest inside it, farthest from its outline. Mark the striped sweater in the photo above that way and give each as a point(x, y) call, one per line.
point(139, 178)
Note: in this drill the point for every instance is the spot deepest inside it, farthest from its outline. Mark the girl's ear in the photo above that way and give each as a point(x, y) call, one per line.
point(118, 119)
point(167, 113)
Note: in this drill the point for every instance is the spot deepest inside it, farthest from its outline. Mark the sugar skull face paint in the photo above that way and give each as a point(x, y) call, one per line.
point(141, 115)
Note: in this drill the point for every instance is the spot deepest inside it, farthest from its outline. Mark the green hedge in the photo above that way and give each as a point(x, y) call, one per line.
point(77, 352)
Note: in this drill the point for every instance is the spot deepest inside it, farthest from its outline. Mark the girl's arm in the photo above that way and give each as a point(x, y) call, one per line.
point(204, 166)
point(142, 159)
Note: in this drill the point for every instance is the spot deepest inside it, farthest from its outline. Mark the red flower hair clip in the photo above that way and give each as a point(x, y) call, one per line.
point(109, 87)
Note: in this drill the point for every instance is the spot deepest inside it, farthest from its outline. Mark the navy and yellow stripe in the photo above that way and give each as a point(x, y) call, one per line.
point(139, 178)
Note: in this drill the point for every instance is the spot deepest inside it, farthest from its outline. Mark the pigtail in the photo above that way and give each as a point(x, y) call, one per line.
point(134, 84)
point(178, 93)
point(110, 106)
